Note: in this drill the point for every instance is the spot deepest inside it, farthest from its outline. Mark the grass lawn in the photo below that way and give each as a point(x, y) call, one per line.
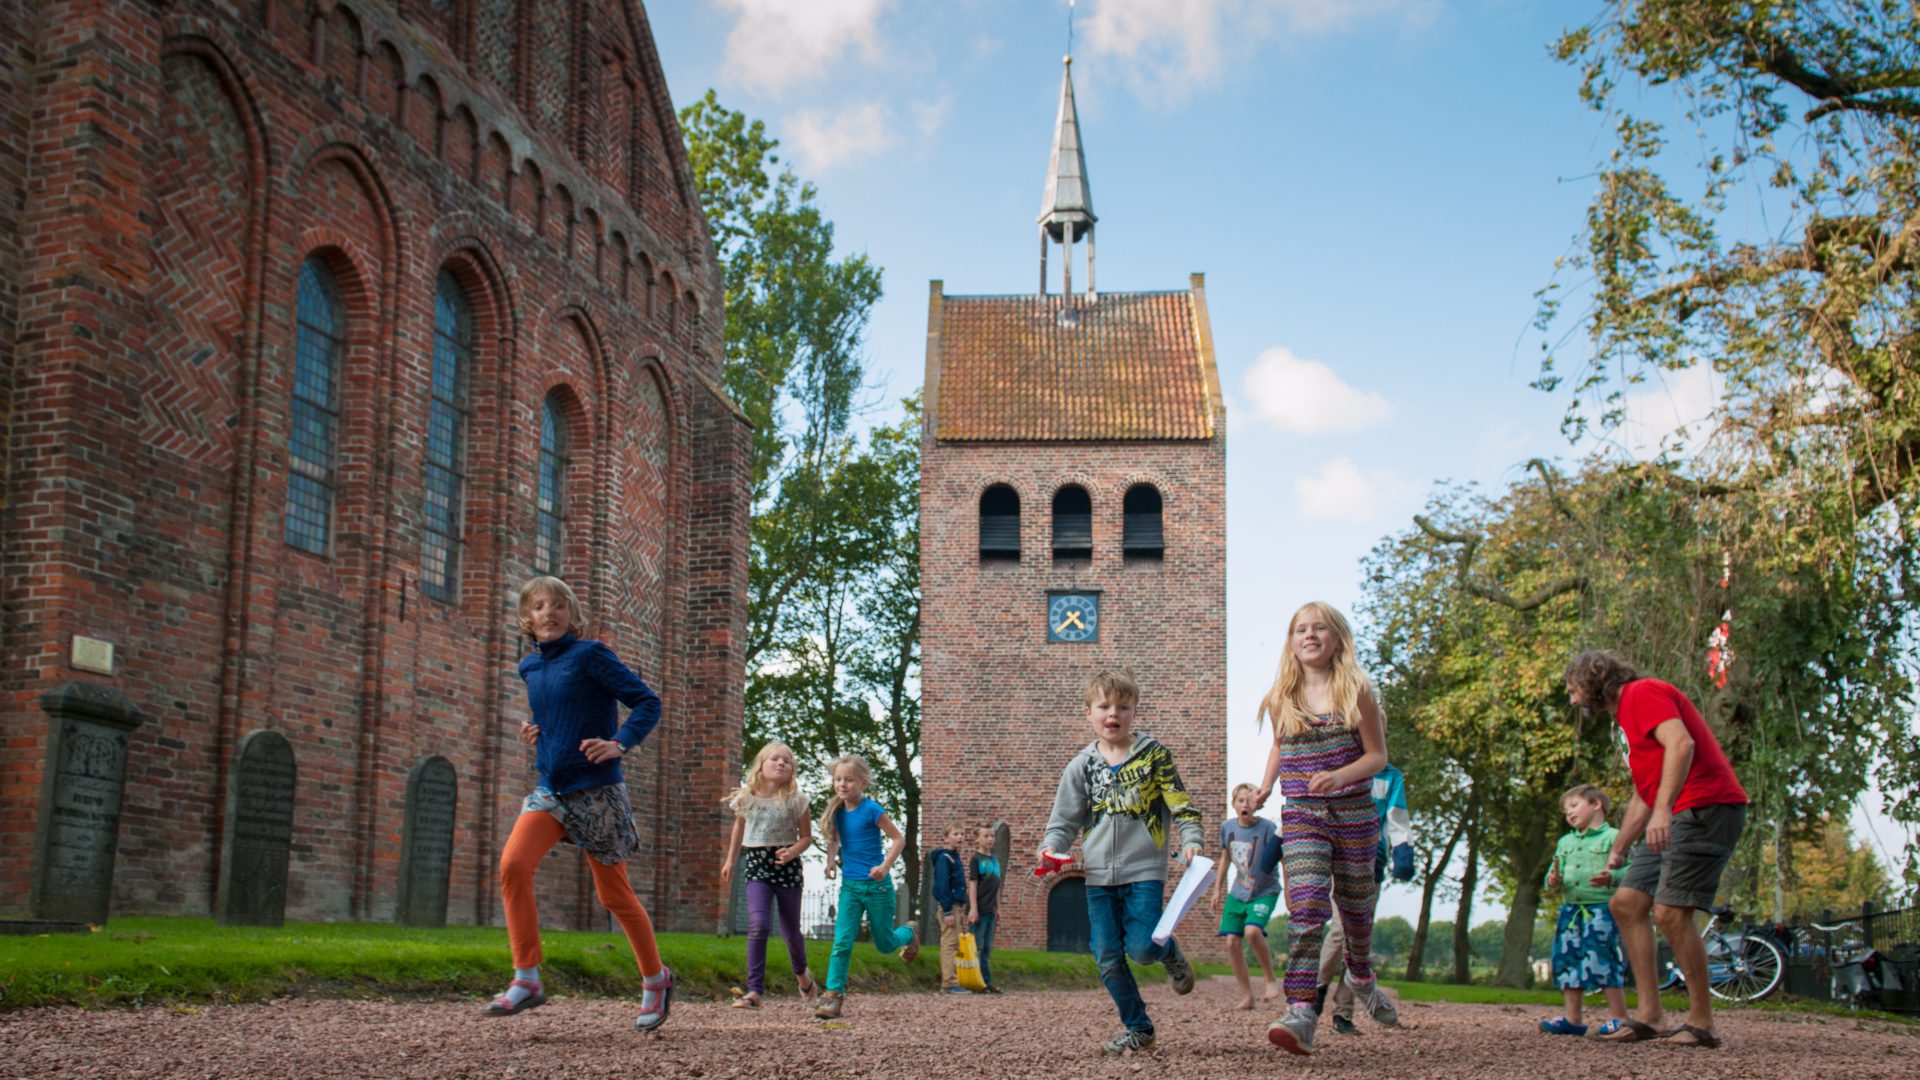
point(134, 961)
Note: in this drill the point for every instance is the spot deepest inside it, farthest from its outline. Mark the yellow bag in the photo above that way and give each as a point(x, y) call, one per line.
point(967, 965)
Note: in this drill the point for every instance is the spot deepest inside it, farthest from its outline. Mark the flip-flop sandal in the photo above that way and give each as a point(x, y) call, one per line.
point(747, 1001)
point(1706, 1040)
point(809, 988)
point(504, 1006)
point(1631, 1031)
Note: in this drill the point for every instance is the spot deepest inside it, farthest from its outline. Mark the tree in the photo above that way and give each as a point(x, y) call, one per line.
point(1392, 937)
point(1830, 872)
point(1794, 273)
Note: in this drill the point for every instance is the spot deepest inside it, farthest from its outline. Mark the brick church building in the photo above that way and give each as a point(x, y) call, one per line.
point(1073, 516)
point(323, 325)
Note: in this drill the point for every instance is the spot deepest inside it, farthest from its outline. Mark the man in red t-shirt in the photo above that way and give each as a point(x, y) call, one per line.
point(1687, 812)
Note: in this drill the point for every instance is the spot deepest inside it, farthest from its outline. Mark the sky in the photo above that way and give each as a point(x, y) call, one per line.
point(1375, 190)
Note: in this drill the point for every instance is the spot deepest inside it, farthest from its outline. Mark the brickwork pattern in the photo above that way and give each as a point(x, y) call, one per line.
point(1001, 707)
point(165, 170)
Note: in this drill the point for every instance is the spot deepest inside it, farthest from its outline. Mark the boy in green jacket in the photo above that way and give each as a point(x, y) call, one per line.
point(1586, 943)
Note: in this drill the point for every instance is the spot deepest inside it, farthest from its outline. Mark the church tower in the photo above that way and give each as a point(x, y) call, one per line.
point(1073, 517)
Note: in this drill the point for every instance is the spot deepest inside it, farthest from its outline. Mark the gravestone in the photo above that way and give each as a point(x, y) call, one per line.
point(426, 843)
point(79, 827)
point(259, 832)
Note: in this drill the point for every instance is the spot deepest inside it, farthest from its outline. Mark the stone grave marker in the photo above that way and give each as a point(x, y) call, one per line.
point(259, 832)
point(79, 827)
point(426, 843)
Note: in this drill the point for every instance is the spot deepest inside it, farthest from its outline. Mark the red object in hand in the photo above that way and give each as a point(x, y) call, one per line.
point(1051, 863)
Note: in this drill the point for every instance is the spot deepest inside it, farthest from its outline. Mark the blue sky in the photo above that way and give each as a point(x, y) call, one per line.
point(1374, 189)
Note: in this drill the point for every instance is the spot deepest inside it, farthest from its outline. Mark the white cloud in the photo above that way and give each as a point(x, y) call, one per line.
point(823, 140)
point(930, 116)
point(1342, 491)
point(1175, 46)
point(775, 44)
point(1307, 397)
point(1674, 412)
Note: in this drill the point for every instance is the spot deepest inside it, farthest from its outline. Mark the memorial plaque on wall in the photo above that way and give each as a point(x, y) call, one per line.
point(426, 844)
point(259, 832)
point(78, 832)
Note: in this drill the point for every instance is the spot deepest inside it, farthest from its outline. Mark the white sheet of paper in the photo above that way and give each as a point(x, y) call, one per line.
point(1197, 879)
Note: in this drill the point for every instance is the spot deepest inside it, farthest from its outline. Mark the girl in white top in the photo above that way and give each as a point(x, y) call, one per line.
point(770, 830)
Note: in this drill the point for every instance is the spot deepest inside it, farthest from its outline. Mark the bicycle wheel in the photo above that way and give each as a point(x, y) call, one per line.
point(1744, 968)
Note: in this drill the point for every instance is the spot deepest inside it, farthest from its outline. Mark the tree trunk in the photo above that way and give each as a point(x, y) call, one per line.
point(1516, 945)
point(1463, 913)
point(1430, 880)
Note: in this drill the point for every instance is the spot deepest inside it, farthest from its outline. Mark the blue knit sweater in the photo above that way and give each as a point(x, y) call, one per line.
point(573, 687)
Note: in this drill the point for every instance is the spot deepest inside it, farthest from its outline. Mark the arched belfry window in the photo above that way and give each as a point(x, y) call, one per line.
point(1072, 524)
point(447, 437)
point(551, 524)
point(1141, 534)
point(320, 340)
point(1000, 524)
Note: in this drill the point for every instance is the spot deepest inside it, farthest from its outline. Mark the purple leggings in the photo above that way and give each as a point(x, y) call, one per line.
point(761, 898)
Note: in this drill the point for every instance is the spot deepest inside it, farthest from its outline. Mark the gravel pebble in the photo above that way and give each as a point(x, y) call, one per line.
point(1037, 1034)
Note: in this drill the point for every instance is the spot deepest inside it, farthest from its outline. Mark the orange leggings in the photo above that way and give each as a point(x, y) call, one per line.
point(534, 834)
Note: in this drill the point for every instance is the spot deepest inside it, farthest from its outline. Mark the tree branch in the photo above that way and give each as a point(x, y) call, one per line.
point(1470, 545)
point(1836, 92)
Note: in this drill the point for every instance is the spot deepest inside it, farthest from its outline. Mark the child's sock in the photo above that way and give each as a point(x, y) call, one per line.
point(517, 994)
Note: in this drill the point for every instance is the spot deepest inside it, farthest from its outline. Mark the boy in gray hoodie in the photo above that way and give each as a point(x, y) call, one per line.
point(1120, 796)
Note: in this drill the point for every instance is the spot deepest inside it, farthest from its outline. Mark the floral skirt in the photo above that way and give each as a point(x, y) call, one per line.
point(1586, 949)
point(598, 821)
point(758, 864)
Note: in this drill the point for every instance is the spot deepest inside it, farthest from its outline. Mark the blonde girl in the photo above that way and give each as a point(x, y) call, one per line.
point(852, 826)
point(574, 690)
point(1329, 738)
point(770, 829)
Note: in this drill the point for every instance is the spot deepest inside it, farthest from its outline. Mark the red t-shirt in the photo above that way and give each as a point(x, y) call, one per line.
point(1645, 704)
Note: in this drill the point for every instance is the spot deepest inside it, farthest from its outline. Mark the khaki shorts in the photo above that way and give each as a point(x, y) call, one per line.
point(1687, 874)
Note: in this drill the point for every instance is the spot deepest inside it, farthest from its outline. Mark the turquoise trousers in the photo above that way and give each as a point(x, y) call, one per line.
point(874, 900)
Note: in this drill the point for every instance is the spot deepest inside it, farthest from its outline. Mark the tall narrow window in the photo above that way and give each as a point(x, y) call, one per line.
point(550, 529)
point(999, 524)
point(447, 437)
point(320, 336)
point(1072, 524)
point(1141, 534)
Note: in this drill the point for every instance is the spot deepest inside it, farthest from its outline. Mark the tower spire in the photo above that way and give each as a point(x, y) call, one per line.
point(1066, 206)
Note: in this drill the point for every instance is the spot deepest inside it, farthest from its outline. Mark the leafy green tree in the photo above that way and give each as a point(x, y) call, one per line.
point(1392, 937)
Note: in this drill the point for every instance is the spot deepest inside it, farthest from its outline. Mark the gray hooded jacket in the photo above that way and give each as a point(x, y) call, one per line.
point(1121, 813)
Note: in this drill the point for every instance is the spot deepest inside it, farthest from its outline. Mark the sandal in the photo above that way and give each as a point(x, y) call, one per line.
point(1631, 1031)
point(1605, 1028)
point(1560, 1025)
point(809, 987)
point(748, 1000)
point(1706, 1040)
point(504, 1006)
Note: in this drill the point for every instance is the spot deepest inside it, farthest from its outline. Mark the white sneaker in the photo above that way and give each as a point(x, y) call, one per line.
point(1294, 1031)
point(1380, 1007)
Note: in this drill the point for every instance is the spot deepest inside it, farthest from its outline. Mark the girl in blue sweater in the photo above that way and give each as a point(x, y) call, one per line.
point(574, 690)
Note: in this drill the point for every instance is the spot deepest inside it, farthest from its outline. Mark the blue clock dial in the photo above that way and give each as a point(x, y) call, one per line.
point(1073, 617)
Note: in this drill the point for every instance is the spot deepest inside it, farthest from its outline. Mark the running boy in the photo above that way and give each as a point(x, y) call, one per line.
point(1586, 943)
point(1119, 796)
point(1251, 844)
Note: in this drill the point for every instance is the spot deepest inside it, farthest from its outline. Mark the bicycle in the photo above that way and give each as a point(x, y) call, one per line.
point(1741, 966)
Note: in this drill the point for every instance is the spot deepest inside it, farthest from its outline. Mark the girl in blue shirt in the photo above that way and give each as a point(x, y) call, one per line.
point(574, 690)
point(852, 826)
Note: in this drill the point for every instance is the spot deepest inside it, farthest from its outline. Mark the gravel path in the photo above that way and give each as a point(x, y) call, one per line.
point(1039, 1034)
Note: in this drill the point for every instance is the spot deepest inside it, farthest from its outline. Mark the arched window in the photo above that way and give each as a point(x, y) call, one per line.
point(551, 508)
point(1141, 535)
point(447, 437)
point(999, 524)
point(1072, 524)
point(320, 339)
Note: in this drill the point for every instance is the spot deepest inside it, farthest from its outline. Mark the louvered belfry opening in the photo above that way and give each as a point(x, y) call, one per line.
point(999, 524)
point(1141, 533)
point(1072, 524)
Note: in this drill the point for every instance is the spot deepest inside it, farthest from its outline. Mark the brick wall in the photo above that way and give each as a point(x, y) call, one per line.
point(1001, 707)
point(181, 163)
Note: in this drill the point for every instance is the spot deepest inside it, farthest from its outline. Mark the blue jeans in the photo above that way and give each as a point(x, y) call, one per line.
point(1120, 921)
point(983, 941)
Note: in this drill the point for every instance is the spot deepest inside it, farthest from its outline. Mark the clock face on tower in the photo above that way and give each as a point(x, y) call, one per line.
point(1073, 616)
